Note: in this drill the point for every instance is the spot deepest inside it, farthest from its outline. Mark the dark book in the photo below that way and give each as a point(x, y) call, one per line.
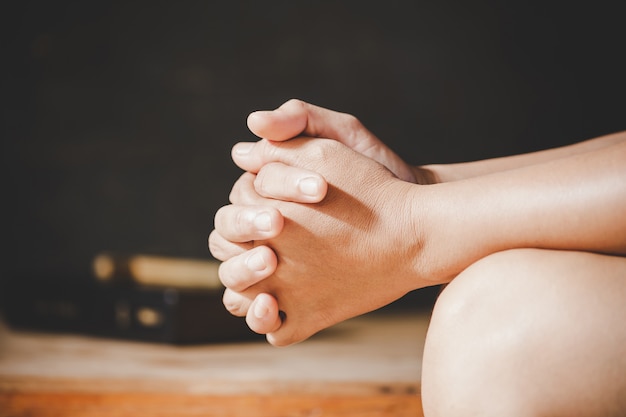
point(155, 314)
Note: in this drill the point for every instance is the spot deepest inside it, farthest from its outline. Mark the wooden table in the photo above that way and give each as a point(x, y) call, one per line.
point(367, 366)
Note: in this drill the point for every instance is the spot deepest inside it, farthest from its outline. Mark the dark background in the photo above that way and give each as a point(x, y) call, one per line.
point(118, 117)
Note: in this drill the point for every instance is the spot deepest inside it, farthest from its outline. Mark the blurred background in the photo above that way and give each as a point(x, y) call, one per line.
point(118, 117)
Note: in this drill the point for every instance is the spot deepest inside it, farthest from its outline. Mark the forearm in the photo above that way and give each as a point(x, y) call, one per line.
point(465, 170)
point(575, 202)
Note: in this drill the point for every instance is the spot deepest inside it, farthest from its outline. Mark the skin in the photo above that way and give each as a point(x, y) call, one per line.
point(529, 332)
point(274, 169)
point(291, 119)
point(532, 248)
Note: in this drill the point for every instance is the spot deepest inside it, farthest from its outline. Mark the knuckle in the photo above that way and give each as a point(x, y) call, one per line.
point(222, 273)
point(294, 102)
point(271, 180)
point(352, 122)
point(281, 340)
point(318, 153)
point(241, 224)
point(233, 303)
point(233, 223)
point(229, 273)
point(254, 325)
point(261, 182)
point(353, 128)
point(215, 248)
point(241, 189)
point(313, 153)
point(235, 193)
point(272, 151)
point(219, 219)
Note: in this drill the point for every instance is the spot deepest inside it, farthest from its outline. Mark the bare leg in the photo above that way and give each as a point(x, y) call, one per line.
point(530, 332)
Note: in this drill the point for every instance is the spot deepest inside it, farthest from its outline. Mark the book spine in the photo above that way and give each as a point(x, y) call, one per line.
point(148, 314)
point(158, 271)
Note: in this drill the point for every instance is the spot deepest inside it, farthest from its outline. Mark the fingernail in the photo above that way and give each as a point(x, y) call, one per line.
point(263, 222)
point(243, 148)
point(255, 262)
point(260, 310)
point(309, 186)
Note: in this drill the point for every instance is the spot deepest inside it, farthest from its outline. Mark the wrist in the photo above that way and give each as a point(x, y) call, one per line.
point(440, 173)
point(453, 229)
point(426, 175)
point(425, 224)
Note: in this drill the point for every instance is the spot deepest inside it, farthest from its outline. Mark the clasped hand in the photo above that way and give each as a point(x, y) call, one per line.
point(316, 232)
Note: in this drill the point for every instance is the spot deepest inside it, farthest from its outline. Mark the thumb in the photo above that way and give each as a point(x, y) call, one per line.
point(286, 122)
point(305, 153)
point(298, 118)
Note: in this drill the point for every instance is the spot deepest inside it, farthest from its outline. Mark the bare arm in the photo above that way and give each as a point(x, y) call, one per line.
point(458, 171)
point(575, 202)
point(295, 118)
point(419, 235)
point(566, 198)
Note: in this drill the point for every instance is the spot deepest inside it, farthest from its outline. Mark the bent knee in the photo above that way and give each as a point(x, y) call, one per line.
point(474, 332)
point(498, 331)
point(488, 286)
point(500, 281)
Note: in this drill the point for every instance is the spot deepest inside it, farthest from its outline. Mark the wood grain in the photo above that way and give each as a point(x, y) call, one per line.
point(365, 366)
point(98, 405)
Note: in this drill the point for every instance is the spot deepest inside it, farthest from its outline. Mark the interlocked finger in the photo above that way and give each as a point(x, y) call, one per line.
point(243, 192)
point(287, 183)
point(223, 249)
point(236, 303)
point(243, 271)
point(241, 224)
